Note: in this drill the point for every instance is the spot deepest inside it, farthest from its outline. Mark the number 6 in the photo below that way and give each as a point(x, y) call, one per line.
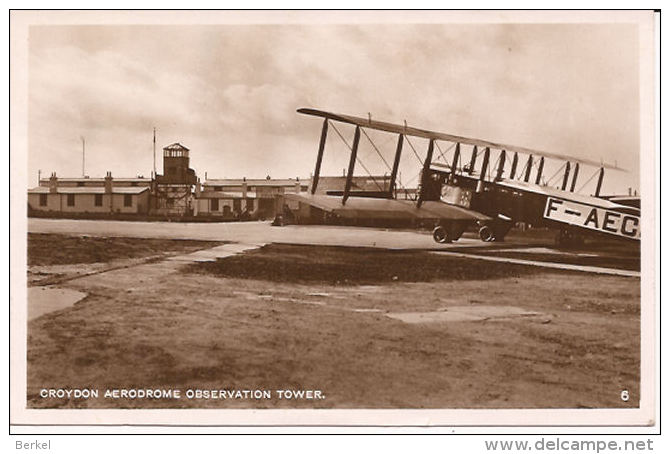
point(624, 395)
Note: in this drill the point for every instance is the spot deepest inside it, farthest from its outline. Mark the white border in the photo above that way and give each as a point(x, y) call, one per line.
point(640, 420)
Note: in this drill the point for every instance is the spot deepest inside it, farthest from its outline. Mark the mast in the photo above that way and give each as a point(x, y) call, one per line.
point(154, 152)
point(83, 157)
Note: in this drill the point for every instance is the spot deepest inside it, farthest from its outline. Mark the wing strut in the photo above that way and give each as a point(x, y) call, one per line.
point(540, 168)
point(600, 181)
point(396, 164)
point(473, 160)
point(454, 162)
point(574, 178)
point(501, 165)
point(485, 164)
point(566, 175)
point(352, 163)
point(319, 156)
point(515, 161)
point(425, 173)
point(529, 166)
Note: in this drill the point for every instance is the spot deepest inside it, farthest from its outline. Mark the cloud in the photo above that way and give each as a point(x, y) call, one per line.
point(230, 92)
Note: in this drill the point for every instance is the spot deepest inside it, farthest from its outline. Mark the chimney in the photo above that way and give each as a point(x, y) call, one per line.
point(53, 183)
point(197, 189)
point(297, 185)
point(244, 187)
point(108, 183)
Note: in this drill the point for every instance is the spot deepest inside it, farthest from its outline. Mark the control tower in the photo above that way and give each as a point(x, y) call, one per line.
point(174, 189)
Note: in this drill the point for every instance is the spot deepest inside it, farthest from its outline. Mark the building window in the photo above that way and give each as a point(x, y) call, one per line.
point(215, 205)
point(98, 200)
point(70, 200)
point(237, 205)
point(43, 200)
point(80, 183)
point(250, 204)
point(134, 183)
point(127, 200)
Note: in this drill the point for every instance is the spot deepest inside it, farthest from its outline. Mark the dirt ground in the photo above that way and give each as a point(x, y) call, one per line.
point(170, 325)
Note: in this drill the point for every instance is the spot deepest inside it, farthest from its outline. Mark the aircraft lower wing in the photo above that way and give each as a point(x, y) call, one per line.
point(387, 209)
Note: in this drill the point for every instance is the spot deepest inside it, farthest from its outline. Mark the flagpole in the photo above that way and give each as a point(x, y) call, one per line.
point(154, 152)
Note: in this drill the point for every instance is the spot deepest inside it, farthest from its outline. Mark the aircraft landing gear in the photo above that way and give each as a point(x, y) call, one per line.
point(495, 231)
point(448, 232)
point(440, 235)
point(486, 233)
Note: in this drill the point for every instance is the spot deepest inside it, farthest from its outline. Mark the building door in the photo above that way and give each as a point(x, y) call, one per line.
point(266, 208)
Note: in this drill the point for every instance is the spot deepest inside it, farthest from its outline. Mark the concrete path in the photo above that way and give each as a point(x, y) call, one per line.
point(249, 233)
point(42, 300)
point(218, 252)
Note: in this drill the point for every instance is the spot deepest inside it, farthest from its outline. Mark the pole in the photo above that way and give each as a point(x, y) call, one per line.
point(83, 157)
point(154, 152)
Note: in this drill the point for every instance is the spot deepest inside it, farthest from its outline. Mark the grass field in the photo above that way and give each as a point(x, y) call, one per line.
point(287, 317)
point(351, 266)
point(52, 249)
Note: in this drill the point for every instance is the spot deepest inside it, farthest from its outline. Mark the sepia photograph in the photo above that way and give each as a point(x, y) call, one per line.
point(381, 218)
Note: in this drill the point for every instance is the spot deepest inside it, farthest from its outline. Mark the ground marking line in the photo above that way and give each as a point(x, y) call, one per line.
point(561, 266)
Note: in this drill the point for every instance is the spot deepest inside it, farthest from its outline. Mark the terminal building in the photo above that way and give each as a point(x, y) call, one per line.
point(246, 198)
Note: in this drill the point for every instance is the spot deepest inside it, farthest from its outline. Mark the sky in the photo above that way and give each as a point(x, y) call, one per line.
point(230, 93)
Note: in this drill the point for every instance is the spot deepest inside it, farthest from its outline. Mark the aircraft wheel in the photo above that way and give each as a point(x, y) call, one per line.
point(440, 235)
point(486, 234)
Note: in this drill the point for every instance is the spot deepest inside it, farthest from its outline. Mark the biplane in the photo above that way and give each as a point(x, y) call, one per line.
point(493, 188)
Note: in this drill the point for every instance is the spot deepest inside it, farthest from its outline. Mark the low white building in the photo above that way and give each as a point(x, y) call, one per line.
point(90, 198)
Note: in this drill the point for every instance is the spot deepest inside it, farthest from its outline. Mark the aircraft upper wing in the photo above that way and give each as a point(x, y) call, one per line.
point(416, 132)
point(366, 207)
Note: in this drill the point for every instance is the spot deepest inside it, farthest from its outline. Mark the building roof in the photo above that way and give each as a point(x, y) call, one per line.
point(175, 146)
point(88, 190)
point(255, 182)
point(99, 180)
point(226, 195)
